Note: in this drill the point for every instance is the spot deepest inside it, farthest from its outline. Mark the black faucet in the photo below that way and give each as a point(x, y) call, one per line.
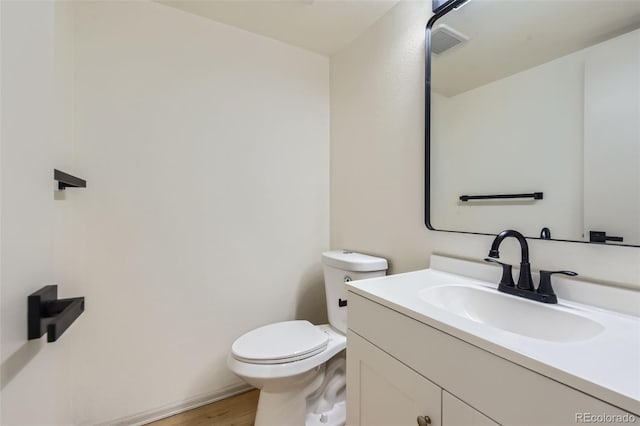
point(524, 280)
point(524, 288)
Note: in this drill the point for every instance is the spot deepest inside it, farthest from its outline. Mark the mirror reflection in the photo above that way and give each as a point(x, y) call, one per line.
point(536, 97)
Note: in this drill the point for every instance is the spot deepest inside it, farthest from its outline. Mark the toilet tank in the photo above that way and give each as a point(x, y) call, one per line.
point(341, 266)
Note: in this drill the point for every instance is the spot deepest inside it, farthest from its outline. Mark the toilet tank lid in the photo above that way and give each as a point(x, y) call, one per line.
point(352, 261)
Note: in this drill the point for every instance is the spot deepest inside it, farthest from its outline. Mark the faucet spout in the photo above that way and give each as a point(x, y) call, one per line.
point(525, 282)
point(524, 247)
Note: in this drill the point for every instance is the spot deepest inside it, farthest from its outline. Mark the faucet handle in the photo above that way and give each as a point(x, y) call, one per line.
point(507, 275)
point(545, 282)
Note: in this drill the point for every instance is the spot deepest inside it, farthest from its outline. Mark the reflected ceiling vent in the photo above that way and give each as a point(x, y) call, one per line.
point(444, 38)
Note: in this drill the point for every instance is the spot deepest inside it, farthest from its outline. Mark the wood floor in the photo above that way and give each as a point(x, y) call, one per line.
point(239, 410)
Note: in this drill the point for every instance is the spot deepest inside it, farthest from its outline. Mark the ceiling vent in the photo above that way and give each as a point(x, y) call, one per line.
point(444, 38)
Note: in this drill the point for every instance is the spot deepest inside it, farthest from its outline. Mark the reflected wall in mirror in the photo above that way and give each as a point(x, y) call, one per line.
point(529, 96)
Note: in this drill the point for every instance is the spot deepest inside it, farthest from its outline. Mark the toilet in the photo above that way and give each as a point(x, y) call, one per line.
point(299, 367)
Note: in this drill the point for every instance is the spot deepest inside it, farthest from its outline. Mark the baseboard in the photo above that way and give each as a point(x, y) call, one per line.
point(149, 416)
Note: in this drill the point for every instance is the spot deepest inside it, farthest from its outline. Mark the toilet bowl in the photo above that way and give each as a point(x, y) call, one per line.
point(300, 367)
point(285, 384)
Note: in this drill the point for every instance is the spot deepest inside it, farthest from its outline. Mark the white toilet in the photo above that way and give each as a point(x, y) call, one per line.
point(300, 367)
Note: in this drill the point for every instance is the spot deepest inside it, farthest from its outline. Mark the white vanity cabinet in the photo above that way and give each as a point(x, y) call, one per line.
point(385, 392)
point(388, 393)
point(461, 414)
point(399, 368)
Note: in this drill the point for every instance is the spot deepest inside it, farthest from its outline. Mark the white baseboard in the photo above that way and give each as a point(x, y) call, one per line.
point(168, 410)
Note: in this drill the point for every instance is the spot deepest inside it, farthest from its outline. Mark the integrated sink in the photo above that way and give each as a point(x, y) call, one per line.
point(513, 314)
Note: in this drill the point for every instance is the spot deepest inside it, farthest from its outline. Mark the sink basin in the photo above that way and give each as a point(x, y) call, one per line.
point(510, 313)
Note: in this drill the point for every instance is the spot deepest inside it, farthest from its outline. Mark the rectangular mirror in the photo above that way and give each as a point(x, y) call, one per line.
point(533, 119)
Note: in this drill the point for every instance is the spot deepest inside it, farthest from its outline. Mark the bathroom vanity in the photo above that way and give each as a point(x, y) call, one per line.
point(431, 347)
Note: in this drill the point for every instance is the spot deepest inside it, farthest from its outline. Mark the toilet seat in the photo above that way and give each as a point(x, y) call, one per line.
point(337, 343)
point(280, 343)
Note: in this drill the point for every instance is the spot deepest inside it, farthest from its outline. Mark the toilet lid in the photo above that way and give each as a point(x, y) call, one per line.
point(279, 343)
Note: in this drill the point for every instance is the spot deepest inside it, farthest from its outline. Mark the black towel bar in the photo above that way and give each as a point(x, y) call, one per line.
point(534, 195)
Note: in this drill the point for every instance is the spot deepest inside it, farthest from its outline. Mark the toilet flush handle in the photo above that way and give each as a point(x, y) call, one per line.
point(343, 302)
point(424, 420)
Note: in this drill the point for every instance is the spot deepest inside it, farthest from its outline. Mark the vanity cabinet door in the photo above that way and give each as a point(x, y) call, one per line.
point(381, 391)
point(457, 413)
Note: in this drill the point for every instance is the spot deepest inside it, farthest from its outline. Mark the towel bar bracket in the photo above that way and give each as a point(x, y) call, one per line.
point(65, 180)
point(48, 314)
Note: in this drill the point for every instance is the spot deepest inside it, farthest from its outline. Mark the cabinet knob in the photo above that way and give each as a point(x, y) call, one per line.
point(424, 420)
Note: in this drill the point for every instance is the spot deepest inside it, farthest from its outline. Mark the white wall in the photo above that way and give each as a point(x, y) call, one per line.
point(206, 152)
point(1, 137)
point(206, 149)
point(377, 190)
point(35, 118)
point(377, 173)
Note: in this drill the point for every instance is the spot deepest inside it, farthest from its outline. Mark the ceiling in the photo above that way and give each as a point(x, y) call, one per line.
point(322, 26)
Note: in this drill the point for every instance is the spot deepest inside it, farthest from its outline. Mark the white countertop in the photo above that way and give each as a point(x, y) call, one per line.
point(606, 366)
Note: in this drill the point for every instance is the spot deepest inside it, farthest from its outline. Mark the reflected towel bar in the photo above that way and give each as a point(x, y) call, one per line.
point(48, 314)
point(534, 195)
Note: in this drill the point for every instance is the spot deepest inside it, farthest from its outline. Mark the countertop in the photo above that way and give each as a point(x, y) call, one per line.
point(606, 366)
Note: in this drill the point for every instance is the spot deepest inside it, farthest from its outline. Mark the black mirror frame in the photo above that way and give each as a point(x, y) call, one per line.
point(444, 8)
point(438, 13)
point(438, 5)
